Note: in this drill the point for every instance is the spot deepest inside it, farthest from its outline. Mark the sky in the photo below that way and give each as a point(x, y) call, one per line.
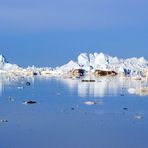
point(52, 32)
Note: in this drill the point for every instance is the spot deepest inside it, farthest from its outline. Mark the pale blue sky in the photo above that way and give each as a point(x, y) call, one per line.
point(34, 32)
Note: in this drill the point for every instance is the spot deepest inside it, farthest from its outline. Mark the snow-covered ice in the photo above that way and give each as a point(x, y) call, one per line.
point(135, 67)
point(98, 61)
point(133, 70)
point(6, 66)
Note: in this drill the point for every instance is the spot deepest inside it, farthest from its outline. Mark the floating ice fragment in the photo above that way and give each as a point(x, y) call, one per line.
point(90, 103)
point(20, 87)
point(138, 117)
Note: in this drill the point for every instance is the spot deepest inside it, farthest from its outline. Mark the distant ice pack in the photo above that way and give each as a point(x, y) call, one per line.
point(88, 62)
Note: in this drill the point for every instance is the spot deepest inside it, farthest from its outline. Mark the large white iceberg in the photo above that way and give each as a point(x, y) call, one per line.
point(99, 61)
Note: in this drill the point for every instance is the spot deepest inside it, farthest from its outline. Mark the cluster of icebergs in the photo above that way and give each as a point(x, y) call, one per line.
point(88, 67)
point(90, 63)
point(134, 67)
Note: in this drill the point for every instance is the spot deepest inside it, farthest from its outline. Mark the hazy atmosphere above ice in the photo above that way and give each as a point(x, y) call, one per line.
point(50, 33)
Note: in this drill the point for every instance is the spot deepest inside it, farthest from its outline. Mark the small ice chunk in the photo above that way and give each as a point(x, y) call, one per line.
point(90, 103)
point(20, 87)
point(138, 117)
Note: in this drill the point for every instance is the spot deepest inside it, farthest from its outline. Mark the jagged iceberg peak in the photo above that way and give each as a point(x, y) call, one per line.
point(96, 61)
point(5, 66)
point(83, 59)
point(103, 61)
point(86, 62)
point(2, 61)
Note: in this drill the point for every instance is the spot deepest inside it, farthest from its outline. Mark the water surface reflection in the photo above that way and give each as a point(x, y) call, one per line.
point(64, 117)
point(104, 86)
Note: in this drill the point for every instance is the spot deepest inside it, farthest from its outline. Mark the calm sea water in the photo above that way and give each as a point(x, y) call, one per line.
point(60, 119)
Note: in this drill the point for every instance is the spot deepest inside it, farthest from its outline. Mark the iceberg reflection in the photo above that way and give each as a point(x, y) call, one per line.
point(3, 82)
point(6, 81)
point(104, 86)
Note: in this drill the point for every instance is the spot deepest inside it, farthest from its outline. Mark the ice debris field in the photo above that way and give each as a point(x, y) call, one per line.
point(88, 68)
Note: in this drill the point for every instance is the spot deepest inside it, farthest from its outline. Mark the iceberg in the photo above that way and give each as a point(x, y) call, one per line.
point(83, 61)
point(99, 61)
point(2, 61)
point(106, 73)
point(6, 66)
point(90, 64)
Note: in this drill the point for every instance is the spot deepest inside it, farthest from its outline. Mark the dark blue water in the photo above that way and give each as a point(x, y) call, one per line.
point(60, 119)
